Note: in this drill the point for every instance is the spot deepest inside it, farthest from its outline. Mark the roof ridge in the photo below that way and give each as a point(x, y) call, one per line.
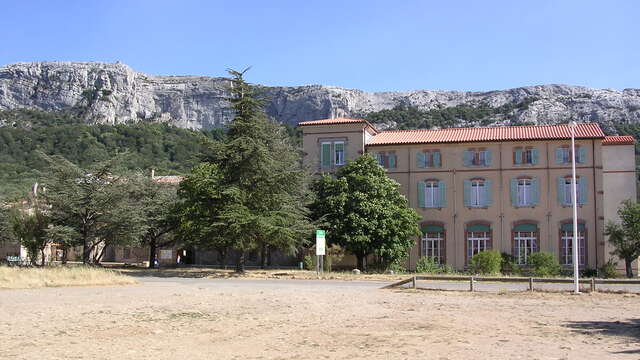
point(487, 127)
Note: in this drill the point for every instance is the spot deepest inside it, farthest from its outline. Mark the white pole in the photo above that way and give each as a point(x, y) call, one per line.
point(574, 200)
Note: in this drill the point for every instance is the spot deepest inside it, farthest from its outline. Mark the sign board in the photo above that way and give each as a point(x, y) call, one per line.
point(166, 254)
point(320, 242)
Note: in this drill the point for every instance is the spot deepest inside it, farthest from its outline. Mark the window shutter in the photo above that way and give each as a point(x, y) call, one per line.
point(443, 194)
point(487, 157)
point(488, 196)
point(393, 158)
point(436, 159)
point(535, 192)
point(560, 183)
point(514, 192)
point(467, 193)
point(534, 156)
point(420, 159)
point(421, 186)
point(582, 191)
point(582, 155)
point(466, 158)
point(518, 156)
point(326, 154)
point(559, 156)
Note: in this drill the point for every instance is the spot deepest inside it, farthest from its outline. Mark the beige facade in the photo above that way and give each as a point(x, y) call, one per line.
point(606, 177)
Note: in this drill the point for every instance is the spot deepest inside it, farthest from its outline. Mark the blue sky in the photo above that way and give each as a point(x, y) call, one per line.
point(369, 45)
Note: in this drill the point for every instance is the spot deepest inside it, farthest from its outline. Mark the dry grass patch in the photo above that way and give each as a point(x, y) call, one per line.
point(57, 276)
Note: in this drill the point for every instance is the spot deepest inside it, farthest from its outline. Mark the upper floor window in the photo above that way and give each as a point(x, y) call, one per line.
point(388, 160)
point(332, 153)
point(477, 193)
point(428, 159)
point(565, 190)
point(525, 156)
point(563, 154)
point(431, 194)
point(524, 191)
point(477, 157)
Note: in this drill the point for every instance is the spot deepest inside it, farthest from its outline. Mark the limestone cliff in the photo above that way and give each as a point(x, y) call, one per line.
point(114, 93)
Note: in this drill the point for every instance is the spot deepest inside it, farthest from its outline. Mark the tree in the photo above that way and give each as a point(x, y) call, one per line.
point(365, 212)
point(259, 202)
point(28, 221)
point(625, 237)
point(91, 207)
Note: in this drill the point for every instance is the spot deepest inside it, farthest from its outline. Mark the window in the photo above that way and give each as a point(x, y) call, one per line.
point(338, 149)
point(563, 154)
point(388, 160)
point(477, 192)
point(477, 241)
point(477, 157)
point(332, 153)
point(565, 190)
point(525, 243)
point(433, 245)
point(428, 159)
point(431, 194)
point(566, 244)
point(526, 156)
point(524, 192)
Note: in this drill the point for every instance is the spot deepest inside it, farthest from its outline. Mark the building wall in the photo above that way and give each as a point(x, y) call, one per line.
point(354, 136)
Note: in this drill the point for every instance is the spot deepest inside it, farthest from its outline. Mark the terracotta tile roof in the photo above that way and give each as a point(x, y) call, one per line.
point(618, 140)
point(169, 179)
point(337, 121)
point(503, 133)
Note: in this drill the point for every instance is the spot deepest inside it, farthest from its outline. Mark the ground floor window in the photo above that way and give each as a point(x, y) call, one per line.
point(478, 239)
point(433, 246)
point(525, 243)
point(566, 246)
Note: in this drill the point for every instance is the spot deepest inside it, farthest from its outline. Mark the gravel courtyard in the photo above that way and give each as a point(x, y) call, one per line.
point(173, 318)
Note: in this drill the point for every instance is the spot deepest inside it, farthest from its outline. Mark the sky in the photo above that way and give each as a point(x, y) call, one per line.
point(369, 45)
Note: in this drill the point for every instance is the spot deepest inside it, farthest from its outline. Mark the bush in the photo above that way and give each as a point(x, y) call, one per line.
point(486, 262)
point(398, 266)
point(428, 265)
point(544, 264)
point(589, 273)
point(608, 270)
point(508, 265)
point(309, 264)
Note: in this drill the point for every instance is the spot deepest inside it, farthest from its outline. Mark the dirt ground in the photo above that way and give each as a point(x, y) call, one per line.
point(171, 318)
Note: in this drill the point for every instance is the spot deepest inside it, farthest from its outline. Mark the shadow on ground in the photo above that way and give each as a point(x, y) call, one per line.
point(629, 329)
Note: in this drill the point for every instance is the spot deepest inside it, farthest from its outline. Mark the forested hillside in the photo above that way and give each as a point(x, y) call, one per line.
point(168, 149)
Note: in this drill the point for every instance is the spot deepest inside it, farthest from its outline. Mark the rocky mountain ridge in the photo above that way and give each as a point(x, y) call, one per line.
point(113, 93)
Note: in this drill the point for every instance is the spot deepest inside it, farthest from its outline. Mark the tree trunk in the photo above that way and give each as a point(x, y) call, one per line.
point(240, 262)
point(98, 258)
point(42, 262)
point(629, 268)
point(65, 255)
point(86, 252)
point(362, 266)
point(152, 253)
point(223, 258)
point(263, 256)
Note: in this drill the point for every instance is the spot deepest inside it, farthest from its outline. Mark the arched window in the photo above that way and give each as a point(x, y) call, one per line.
point(433, 241)
point(478, 238)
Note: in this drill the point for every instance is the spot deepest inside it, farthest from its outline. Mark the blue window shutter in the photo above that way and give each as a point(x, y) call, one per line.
point(421, 186)
point(488, 195)
point(487, 157)
point(466, 158)
point(436, 159)
point(535, 192)
point(443, 194)
point(514, 192)
point(560, 183)
point(582, 155)
point(392, 161)
point(559, 156)
point(518, 156)
point(420, 160)
point(534, 156)
point(582, 190)
point(467, 193)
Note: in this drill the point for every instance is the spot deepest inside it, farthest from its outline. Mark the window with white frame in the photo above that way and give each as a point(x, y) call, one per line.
point(566, 247)
point(525, 243)
point(477, 241)
point(338, 149)
point(433, 246)
point(525, 193)
point(432, 194)
point(332, 153)
point(477, 192)
point(568, 190)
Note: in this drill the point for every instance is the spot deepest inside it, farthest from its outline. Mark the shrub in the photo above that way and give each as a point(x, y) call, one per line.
point(589, 273)
point(398, 266)
point(508, 264)
point(428, 265)
point(309, 264)
point(608, 270)
point(544, 264)
point(486, 262)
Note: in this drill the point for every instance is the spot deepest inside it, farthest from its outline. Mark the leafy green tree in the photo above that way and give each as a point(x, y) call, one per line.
point(365, 212)
point(91, 207)
point(28, 224)
point(625, 237)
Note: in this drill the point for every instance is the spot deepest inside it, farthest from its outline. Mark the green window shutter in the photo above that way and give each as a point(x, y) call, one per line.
point(436, 159)
point(582, 155)
point(432, 229)
point(514, 192)
point(534, 156)
point(525, 227)
point(466, 158)
point(518, 156)
point(488, 195)
point(467, 193)
point(582, 191)
point(443, 194)
point(326, 154)
point(560, 183)
point(420, 160)
point(421, 186)
point(393, 161)
point(487, 157)
point(569, 227)
point(559, 156)
point(479, 228)
point(535, 191)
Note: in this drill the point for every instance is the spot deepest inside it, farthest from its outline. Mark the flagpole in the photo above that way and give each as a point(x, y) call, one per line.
point(574, 200)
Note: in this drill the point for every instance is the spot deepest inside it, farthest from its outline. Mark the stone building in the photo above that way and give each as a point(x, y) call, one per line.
point(504, 188)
